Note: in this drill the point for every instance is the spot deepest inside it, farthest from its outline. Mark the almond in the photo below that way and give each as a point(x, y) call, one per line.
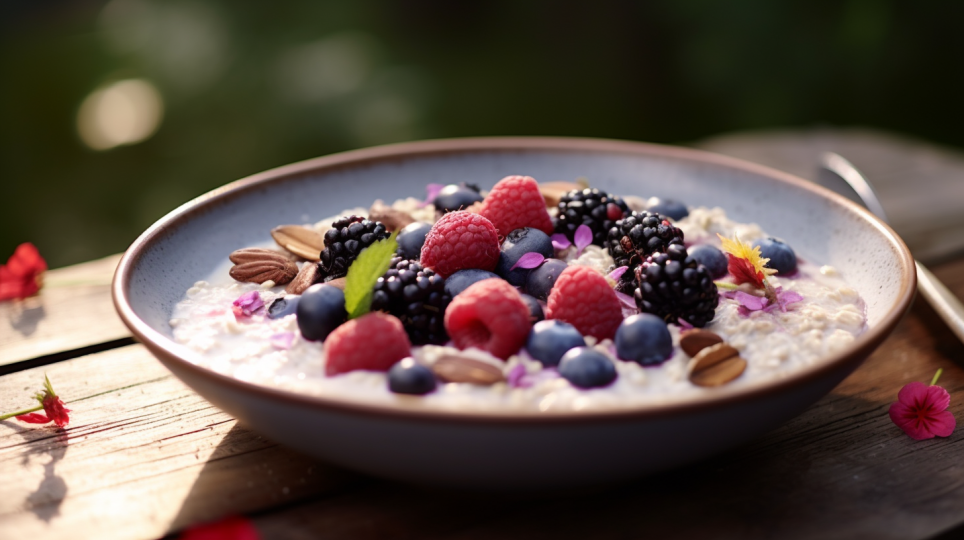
point(459, 369)
point(337, 282)
point(695, 340)
point(302, 241)
point(256, 265)
point(553, 191)
point(307, 276)
point(394, 220)
point(716, 365)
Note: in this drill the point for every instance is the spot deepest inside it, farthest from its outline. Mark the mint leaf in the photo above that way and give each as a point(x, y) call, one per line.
point(370, 265)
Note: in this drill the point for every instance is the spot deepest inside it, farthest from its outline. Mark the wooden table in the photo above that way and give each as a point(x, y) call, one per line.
point(145, 457)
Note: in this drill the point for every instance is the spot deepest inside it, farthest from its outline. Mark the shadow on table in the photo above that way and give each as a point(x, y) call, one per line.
point(52, 442)
point(247, 473)
point(817, 471)
point(25, 318)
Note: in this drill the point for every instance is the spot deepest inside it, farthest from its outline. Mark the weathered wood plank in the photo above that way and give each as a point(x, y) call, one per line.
point(840, 470)
point(72, 311)
point(143, 455)
point(919, 184)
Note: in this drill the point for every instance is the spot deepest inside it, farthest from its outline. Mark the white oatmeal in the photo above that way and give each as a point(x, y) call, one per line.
point(775, 343)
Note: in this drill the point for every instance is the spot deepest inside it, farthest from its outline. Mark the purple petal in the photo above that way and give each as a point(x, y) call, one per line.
point(282, 341)
point(582, 238)
point(249, 303)
point(528, 261)
point(626, 300)
point(684, 324)
point(431, 191)
point(751, 302)
point(559, 241)
point(618, 273)
point(515, 376)
point(786, 298)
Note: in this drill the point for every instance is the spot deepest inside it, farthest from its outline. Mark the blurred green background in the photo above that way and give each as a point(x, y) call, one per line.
point(114, 113)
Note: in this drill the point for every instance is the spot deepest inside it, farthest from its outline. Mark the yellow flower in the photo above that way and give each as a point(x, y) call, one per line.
point(742, 250)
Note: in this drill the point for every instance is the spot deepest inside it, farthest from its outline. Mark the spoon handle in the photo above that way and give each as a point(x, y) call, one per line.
point(941, 299)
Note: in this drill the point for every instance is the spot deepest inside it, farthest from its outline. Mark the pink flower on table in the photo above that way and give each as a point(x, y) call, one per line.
point(921, 411)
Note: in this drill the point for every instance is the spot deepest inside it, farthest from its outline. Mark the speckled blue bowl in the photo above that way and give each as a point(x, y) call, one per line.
point(503, 450)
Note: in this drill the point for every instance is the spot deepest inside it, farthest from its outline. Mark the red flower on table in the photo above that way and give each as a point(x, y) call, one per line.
point(54, 409)
point(921, 410)
point(22, 276)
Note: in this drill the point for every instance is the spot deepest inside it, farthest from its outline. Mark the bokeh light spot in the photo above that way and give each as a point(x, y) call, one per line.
point(121, 113)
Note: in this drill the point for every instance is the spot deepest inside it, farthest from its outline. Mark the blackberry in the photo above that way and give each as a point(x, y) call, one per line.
point(344, 241)
point(592, 207)
point(672, 285)
point(417, 297)
point(639, 235)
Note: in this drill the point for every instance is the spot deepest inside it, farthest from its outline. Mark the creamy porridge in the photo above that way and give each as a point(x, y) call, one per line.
point(811, 313)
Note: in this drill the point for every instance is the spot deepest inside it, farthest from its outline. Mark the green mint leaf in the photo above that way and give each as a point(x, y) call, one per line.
point(370, 265)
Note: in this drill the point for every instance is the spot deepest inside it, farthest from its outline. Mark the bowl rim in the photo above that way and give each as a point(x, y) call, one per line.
point(165, 349)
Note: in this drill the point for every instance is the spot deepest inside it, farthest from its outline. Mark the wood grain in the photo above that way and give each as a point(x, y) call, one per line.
point(142, 456)
point(72, 311)
point(920, 185)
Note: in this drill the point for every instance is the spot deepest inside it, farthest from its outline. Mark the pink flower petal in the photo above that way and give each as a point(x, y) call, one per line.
point(282, 341)
point(626, 300)
point(582, 238)
point(684, 324)
point(943, 424)
point(514, 379)
point(912, 393)
point(750, 302)
point(937, 398)
point(560, 242)
point(431, 192)
point(528, 261)
point(618, 273)
point(247, 304)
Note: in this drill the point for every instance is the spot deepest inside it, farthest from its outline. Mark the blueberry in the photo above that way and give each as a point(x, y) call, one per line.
point(668, 207)
point(535, 308)
point(411, 238)
point(462, 279)
point(283, 306)
point(541, 279)
point(516, 244)
point(320, 310)
point(409, 377)
point(645, 339)
point(713, 259)
point(782, 258)
point(457, 197)
point(549, 340)
point(587, 368)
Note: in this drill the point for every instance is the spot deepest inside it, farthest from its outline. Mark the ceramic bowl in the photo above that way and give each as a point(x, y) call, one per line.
point(505, 450)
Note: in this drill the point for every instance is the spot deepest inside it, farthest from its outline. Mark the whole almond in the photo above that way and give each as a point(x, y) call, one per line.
point(552, 192)
point(695, 340)
point(337, 282)
point(302, 241)
point(307, 276)
point(716, 365)
point(466, 370)
point(394, 220)
point(256, 265)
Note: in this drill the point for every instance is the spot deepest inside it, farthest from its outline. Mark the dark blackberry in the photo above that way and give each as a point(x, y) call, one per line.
point(417, 297)
point(638, 236)
point(592, 207)
point(344, 241)
point(672, 285)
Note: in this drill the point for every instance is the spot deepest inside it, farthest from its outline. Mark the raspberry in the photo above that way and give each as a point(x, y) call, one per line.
point(460, 240)
point(374, 342)
point(583, 298)
point(489, 315)
point(515, 202)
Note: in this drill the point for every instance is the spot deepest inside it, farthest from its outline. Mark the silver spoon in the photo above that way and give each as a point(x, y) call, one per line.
point(839, 175)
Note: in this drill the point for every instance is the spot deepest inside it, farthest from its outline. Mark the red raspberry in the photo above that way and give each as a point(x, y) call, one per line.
point(460, 240)
point(489, 315)
point(374, 342)
point(583, 298)
point(515, 202)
